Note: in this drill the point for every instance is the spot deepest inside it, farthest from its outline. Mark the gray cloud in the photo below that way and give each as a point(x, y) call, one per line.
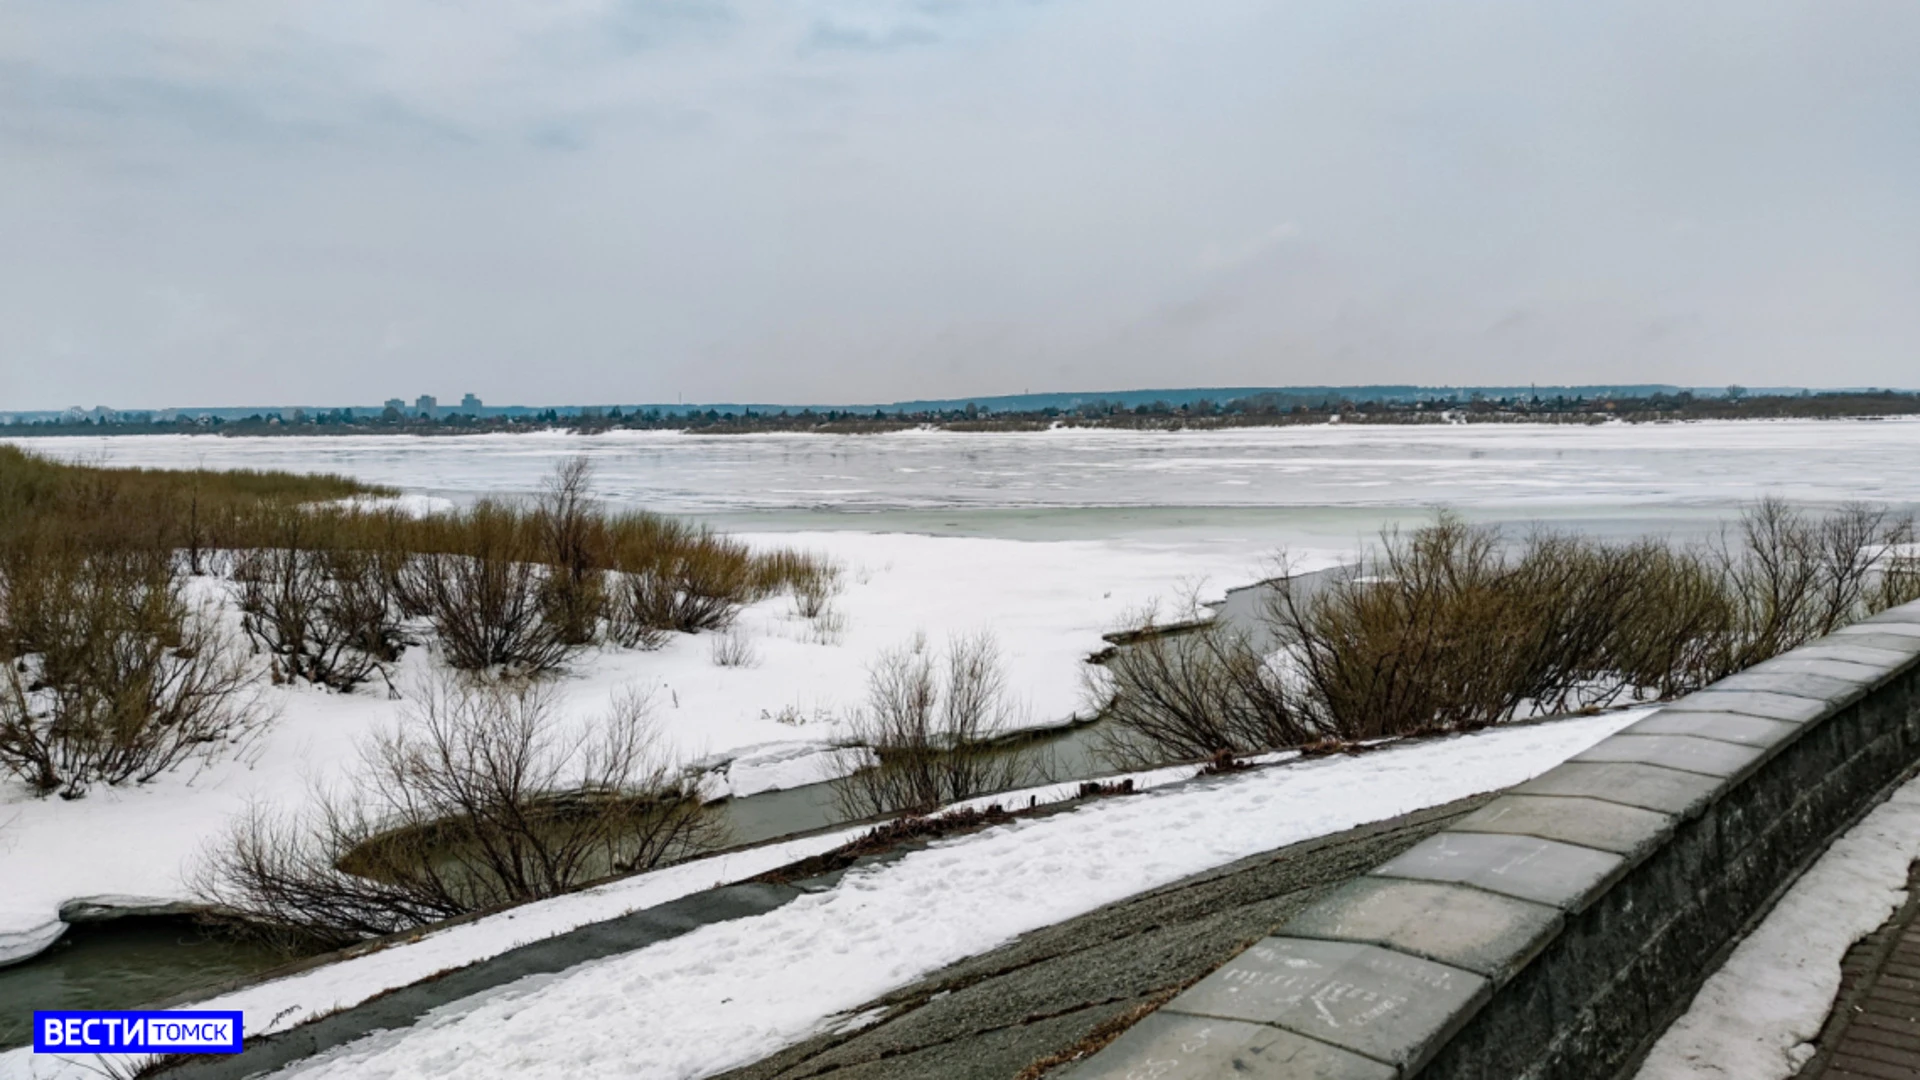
point(866, 199)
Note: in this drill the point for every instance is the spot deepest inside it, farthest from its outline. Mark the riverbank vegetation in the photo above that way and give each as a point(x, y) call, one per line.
point(119, 660)
point(931, 732)
point(481, 798)
point(111, 671)
point(1453, 627)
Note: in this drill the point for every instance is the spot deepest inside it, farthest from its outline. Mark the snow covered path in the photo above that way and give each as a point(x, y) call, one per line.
point(1756, 1018)
point(734, 992)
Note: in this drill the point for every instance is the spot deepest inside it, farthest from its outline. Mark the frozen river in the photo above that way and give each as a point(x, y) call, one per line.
point(1319, 486)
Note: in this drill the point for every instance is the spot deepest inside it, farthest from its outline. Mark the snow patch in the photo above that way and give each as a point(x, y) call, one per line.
point(752, 770)
point(28, 939)
point(1756, 1018)
point(410, 504)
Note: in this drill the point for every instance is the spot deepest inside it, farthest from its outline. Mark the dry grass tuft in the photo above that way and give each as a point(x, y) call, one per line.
point(734, 649)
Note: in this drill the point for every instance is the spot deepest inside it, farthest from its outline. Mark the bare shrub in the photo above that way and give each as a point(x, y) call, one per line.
point(734, 649)
point(1671, 634)
point(1192, 695)
point(827, 628)
point(573, 534)
point(280, 874)
point(114, 679)
point(389, 539)
point(679, 579)
point(323, 612)
point(713, 576)
point(1421, 638)
point(1565, 599)
point(62, 603)
point(1452, 627)
point(1794, 578)
point(812, 580)
point(813, 593)
point(488, 604)
point(640, 609)
point(361, 606)
point(1442, 629)
point(1899, 579)
point(481, 798)
point(932, 724)
point(1446, 630)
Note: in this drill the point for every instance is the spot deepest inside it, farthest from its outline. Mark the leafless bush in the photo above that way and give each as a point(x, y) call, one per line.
point(734, 649)
point(59, 603)
point(713, 577)
point(1445, 630)
point(1899, 579)
point(123, 680)
point(1193, 695)
point(695, 582)
point(479, 799)
point(638, 576)
point(488, 604)
point(827, 628)
point(1423, 637)
point(387, 537)
point(361, 605)
point(1451, 627)
point(280, 874)
point(932, 725)
point(814, 584)
point(1671, 630)
point(573, 534)
point(323, 612)
point(1794, 578)
point(640, 612)
point(1565, 599)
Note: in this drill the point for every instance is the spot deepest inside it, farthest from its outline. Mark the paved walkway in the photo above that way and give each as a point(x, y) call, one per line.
point(1873, 1032)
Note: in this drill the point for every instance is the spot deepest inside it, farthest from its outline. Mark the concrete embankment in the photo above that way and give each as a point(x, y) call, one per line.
point(1556, 931)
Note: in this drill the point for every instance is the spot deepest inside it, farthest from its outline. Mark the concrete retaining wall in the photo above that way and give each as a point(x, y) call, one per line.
point(1557, 931)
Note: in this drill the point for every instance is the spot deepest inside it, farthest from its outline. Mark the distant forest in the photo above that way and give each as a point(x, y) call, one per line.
point(1267, 409)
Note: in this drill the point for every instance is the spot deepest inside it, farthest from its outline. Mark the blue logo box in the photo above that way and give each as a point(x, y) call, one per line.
point(84, 1031)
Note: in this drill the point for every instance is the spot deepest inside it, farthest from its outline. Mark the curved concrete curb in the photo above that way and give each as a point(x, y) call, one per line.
point(1555, 932)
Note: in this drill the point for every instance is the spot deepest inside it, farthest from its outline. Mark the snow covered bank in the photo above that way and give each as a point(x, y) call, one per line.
point(733, 992)
point(768, 726)
point(1756, 1017)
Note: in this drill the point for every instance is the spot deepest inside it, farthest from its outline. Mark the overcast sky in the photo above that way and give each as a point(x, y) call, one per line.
point(261, 202)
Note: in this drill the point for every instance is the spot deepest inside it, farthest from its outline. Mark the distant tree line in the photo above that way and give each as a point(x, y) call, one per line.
point(1256, 410)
